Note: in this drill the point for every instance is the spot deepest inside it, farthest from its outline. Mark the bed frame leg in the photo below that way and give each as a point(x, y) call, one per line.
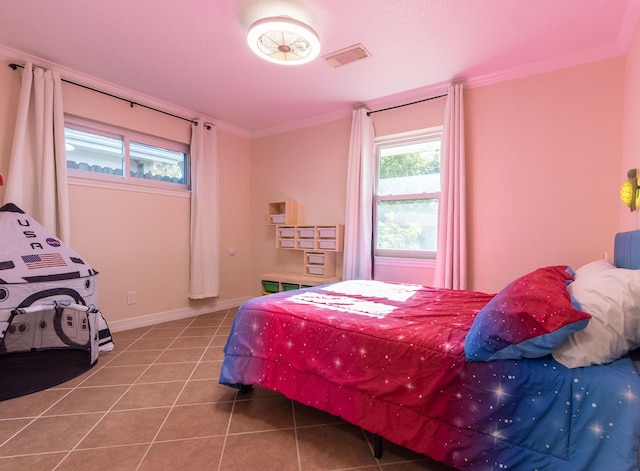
point(377, 446)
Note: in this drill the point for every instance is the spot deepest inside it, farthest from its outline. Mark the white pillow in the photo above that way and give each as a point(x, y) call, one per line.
point(612, 297)
point(593, 267)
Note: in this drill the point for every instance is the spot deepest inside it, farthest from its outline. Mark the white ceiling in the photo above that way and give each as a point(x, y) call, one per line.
point(193, 53)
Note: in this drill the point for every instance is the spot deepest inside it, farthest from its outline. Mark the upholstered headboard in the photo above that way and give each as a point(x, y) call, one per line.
point(626, 252)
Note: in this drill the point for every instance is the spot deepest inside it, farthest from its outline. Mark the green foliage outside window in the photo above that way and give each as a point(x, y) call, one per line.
point(406, 220)
point(406, 165)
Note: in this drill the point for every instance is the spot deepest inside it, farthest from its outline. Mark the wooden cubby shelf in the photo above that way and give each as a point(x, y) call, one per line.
point(285, 281)
point(319, 245)
point(326, 238)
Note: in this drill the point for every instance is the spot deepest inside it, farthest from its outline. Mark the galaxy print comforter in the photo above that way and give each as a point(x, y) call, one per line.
point(390, 358)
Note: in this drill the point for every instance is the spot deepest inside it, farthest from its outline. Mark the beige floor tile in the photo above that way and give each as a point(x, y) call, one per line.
point(271, 451)
point(115, 375)
point(129, 334)
point(31, 405)
point(49, 434)
point(39, 462)
point(92, 399)
point(120, 345)
point(150, 395)
point(200, 331)
point(203, 391)
point(176, 323)
point(191, 342)
point(167, 372)
point(219, 340)
point(9, 427)
point(196, 420)
point(214, 353)
point(328, 447)
point(224, 330)
point(178, 355)
point(119, 458)
point(193, 454)
point(306, 416)
point(164, 332)
point(261, 415)
point(126, 428)
point(207, 370)
point(132, 358)
point(214, 318)
point(150, 344)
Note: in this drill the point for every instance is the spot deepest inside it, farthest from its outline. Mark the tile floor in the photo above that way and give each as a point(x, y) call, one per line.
point(154, 403)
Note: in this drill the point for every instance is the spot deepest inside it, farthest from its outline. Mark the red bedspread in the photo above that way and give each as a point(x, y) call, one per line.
point(390, 358)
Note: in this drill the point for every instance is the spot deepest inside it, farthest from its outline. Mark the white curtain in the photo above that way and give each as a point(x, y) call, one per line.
point(451, 260)
point(37, 178)
point(358, 259)
point(204, 276)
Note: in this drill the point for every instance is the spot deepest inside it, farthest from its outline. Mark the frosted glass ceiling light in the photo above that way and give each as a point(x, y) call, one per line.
point(283, 40)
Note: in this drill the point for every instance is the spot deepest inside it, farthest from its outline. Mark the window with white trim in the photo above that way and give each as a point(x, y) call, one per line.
point(407, 191)
point(108, 153)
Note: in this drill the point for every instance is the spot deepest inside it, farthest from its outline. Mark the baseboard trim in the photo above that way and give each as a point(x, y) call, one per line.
point(166, 316)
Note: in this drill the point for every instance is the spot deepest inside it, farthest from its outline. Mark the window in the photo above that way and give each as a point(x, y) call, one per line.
point(406, 195)
point(108, 153)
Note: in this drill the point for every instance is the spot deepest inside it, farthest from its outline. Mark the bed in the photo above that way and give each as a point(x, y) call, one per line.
point(537, 376)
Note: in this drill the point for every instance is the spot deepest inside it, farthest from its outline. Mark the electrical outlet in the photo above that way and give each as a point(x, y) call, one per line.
point(131, 297)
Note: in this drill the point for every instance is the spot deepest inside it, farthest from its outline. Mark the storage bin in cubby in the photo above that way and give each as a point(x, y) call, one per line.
point(327, 232)
point(283, 212)
point(290, 286)
point(306, 232)
point(286, 243)
point(319, 263)
point(270, 286)
point(287, 232)
point(306, 244)
point(317, 270)
point(316, 258)
point(327, 244)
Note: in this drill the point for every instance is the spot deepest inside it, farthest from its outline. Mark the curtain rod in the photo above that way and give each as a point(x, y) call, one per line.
point(131, 102)
point(369, 113)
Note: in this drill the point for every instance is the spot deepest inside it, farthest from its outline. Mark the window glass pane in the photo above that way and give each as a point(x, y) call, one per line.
point(155, 163)
point(410, 169)
point(407, 225)
point(93, 152)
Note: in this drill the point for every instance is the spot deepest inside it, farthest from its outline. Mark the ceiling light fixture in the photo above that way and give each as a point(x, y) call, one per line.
point(283, 40)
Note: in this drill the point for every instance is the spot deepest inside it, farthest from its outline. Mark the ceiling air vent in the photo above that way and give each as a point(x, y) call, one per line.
point(346, 56)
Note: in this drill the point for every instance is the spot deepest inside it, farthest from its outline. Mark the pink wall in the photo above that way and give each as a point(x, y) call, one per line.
point(139, 241)
point(631, 138)
point(307, 166)
point(543, 160)
point(543, 169)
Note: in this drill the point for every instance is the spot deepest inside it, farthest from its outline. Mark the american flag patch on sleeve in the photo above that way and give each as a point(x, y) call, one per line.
point(45, 260)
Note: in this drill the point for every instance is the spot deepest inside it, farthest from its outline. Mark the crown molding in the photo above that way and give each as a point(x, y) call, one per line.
point(14, 56)
point(618, 48)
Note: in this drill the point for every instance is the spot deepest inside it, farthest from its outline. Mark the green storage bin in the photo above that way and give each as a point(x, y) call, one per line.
point(270, 286)
point(290, 286)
